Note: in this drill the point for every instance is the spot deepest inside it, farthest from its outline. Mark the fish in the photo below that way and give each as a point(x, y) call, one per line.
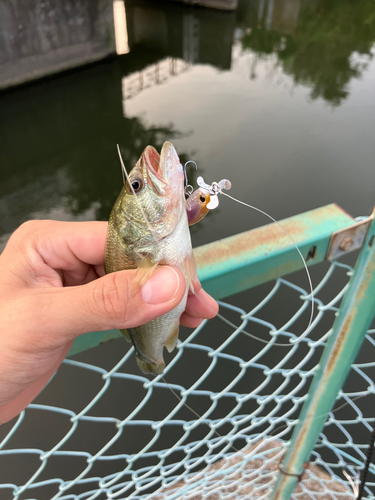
point(148, 227)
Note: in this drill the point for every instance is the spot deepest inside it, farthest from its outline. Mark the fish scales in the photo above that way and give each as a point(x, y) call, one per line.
point(148, 227)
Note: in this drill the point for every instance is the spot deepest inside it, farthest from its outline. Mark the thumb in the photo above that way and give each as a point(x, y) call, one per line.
point(110, 302)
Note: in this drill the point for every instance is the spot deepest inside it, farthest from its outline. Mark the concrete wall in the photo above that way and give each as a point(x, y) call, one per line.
point(38, 38)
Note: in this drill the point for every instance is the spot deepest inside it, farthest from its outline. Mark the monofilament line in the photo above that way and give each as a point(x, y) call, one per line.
point(135, 196)
point(194, 412)
point(250, 334)
point(300, 254)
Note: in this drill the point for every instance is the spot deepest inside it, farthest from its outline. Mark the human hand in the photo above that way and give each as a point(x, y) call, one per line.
point(53, 288)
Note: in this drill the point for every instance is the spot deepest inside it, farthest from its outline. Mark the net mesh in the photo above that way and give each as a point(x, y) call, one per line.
point(102, 430)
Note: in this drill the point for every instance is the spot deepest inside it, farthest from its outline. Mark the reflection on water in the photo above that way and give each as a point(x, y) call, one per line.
point(317, 43)
point(155, 74)
point(65, 174)
point(240, 90)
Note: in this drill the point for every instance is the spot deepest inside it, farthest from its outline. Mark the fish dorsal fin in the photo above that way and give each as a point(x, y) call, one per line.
point(144, 272)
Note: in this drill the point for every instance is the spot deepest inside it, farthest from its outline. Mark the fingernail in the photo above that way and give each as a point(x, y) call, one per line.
point(161, 287)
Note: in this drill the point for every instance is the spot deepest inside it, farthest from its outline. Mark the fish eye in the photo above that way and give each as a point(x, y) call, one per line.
point(136, 185)
point(202, 199)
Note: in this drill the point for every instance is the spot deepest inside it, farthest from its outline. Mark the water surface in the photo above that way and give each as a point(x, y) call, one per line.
point(279, 97)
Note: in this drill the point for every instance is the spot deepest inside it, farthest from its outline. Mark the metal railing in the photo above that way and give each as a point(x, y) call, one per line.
point(125, 436)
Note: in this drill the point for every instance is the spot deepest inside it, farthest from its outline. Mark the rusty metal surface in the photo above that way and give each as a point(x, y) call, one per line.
point(355, 315)
point(348, 239)
point(248, 259)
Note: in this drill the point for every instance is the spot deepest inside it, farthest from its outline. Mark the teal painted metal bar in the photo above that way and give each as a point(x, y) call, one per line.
point(248, 259)
point(357, 310)
point(245, 260)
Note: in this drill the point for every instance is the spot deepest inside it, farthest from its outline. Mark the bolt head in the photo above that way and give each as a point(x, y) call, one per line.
point(346, 244)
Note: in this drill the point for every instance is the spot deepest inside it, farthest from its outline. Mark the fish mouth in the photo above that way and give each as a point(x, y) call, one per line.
point(169, 160)
point(151, 159)
point(161, 169)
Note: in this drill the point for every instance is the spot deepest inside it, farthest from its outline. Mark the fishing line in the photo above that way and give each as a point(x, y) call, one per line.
point(123, 169)
point(250, 334)
point(347, 403)
point(281, 427)
point(195, 413)
point(139, 205)
point(303, 335)
point(278, 429)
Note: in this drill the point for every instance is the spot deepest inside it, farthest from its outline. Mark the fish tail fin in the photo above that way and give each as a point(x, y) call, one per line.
point(150, 366)
point(146, 364)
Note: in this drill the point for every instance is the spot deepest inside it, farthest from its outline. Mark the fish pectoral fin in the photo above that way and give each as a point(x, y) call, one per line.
point(144, 271)
point(171, 341)
point(126, 335)
point(191, 272)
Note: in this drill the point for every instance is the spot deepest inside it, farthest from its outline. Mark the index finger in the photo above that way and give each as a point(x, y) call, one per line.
point(66, 246)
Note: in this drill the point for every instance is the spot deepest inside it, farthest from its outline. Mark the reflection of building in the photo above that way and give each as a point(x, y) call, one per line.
point(279, 15)
point(213, 4)
point(194, 35)
point(155, 74)
point(282, 15)
point(190, 42)
point(173, 37)
point(42, 38)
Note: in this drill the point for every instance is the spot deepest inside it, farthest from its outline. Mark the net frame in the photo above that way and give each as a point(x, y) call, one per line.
point(234, 445)
point(217, 463)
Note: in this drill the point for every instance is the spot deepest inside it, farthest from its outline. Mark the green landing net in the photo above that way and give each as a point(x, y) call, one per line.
point(104, 431)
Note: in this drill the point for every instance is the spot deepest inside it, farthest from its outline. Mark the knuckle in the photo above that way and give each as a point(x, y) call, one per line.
point(25, 230)
point(109, 299)
point(31, 226)
point(31, 229)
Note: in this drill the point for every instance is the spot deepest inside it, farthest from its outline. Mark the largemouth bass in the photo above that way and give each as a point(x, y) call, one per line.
point(148, 227)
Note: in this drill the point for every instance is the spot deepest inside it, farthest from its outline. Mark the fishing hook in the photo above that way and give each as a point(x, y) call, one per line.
point(188, 188)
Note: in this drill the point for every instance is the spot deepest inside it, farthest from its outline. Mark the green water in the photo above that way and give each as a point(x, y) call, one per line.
point(279, 97)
